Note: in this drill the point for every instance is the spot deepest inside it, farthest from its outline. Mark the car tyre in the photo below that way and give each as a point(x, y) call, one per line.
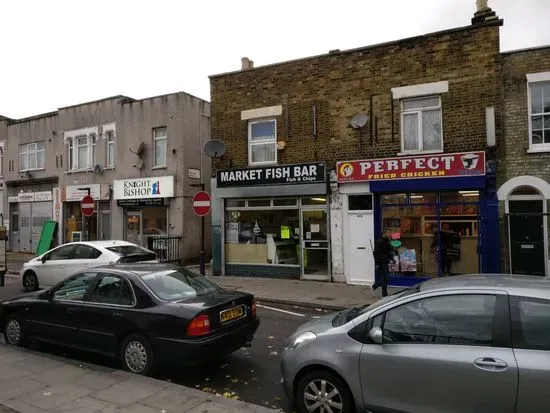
point(320, 388)
point(14, 332)
point(30, 281)
point(136, 355)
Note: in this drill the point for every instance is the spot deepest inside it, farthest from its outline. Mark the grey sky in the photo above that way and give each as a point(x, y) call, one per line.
point(58, 53)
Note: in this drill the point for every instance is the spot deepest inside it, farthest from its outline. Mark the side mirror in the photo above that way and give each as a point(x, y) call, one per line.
point(376, 335)
point(44, 259)
point(46, 295)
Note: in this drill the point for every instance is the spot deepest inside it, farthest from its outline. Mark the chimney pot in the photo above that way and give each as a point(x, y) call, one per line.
point(482, 5)
point(246, 63)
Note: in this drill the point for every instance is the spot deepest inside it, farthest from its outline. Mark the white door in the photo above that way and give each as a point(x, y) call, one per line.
point(360, 260)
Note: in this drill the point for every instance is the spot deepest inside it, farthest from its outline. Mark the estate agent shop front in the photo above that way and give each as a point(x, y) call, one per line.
point(274, 221)
point(442, 211)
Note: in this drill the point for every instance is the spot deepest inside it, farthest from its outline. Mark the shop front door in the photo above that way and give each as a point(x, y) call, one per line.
point(315, 245)
point(360, 258)
point(25, 224)
point(134, 228)
point(527, 246)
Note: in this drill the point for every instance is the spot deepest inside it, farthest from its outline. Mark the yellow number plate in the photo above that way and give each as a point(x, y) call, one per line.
point(231, 314)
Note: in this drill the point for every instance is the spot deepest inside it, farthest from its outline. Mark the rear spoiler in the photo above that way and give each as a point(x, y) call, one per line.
point(146, 256)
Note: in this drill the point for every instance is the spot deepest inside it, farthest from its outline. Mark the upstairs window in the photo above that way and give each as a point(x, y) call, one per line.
point(110, 148)
point(32, 156)
point(81, 152)
point(540, 114)
point(262, 142)
point(421, 125)
point(160, 140)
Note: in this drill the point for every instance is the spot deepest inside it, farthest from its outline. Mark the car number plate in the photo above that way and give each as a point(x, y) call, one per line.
point(232, 314)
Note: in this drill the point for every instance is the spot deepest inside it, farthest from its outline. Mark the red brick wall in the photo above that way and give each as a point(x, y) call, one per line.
point(344, 84)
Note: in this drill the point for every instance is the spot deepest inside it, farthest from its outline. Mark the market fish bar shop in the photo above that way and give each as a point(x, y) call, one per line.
point(442, 210)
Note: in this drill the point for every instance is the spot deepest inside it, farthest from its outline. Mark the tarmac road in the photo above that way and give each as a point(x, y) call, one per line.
point(251, 374)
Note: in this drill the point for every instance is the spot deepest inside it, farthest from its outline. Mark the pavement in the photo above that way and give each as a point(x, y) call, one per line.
point(326, 295)
point(32, 382)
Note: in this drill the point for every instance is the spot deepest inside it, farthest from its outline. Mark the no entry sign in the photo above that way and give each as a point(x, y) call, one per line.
point(201, 203)
point(87, 205)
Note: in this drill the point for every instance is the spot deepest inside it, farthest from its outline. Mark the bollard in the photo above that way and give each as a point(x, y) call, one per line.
point(2, 275)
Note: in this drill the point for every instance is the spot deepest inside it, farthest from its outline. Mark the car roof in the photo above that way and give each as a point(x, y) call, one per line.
point(140, 268)
point(102, 244)
point(522, 285)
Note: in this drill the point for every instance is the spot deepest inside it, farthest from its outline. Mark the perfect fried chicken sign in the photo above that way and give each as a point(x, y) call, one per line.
point(413, 167)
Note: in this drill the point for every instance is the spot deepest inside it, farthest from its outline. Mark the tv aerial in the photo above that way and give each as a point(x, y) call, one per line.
point(214, 148)
point(359, 121)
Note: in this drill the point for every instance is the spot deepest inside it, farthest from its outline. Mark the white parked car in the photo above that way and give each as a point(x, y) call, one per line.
point(59, 263)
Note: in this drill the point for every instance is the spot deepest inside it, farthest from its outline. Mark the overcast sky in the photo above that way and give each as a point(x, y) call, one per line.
point(57, 53)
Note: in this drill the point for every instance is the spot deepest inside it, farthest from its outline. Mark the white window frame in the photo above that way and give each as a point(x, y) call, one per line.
point(532, 80)
point(110, 138)
point(262, 142)
point(420, 135)
point(72, 150)
point(28, 149)
point(157, 139)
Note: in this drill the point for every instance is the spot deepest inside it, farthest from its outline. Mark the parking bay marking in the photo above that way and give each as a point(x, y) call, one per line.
point(280, 310)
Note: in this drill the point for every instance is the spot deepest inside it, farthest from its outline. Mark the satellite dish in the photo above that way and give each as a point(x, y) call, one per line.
point(214, 148)
point(98, 169)
point(140, 150)
point(358, 121)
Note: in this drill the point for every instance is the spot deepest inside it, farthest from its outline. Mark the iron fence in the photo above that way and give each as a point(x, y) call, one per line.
point(167, 247)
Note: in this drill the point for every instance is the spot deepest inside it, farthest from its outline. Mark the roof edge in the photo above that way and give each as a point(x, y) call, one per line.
point(525, 50)
point(127, 98)
point(493, 22)
point(31, 118)
point(164, 95)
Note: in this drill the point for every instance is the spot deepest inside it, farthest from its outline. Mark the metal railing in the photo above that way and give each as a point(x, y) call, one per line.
point(167, 247)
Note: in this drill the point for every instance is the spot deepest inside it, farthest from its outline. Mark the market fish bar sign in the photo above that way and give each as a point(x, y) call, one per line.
point(309, 173)
point(413, 167)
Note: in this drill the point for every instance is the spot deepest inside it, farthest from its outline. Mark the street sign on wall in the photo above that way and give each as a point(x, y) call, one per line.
point(201, 203)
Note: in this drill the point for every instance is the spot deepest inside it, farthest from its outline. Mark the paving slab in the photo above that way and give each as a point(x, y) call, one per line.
point(19, 387)
point(87, 405)
point(173, 400)
point(127, 392)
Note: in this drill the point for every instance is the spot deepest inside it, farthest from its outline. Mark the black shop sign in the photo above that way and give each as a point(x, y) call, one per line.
point(307, 173)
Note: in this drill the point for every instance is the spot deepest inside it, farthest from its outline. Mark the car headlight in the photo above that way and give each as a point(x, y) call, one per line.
point(301, 339)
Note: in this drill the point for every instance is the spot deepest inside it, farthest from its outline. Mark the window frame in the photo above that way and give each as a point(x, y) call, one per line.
point(70, 279)
point(420, 136)
point(72, 246)
point(262, 142)
point(35, 151)
point(110, 139)
point(518, 341)
point(97, 282)
point(542, 79)
point(157, 139)
point(73, 147)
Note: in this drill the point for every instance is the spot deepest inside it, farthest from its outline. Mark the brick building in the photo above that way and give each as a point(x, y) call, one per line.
point(293, 196)
point(524, 161)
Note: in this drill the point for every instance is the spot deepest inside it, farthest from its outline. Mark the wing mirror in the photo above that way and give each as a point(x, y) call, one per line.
point(44, 259)
point(376, 335)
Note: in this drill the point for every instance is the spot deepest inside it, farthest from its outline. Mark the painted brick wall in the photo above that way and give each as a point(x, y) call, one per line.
point(343, 84)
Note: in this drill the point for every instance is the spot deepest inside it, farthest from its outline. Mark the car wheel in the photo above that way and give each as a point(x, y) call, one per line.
point(137, 355)
point(320, 391)
point(30, 281)
point(14, 332)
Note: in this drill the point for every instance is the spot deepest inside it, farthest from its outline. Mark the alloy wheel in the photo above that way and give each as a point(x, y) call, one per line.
point(321, 396)
point(29, 282)
point(135, 356)
point(13, 332)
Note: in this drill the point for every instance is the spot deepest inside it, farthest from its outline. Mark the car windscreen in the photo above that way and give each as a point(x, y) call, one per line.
point(176, 285)
point(132, 253)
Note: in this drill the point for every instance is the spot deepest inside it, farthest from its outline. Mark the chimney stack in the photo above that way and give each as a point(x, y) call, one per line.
point(246, 63)
point(483, 13)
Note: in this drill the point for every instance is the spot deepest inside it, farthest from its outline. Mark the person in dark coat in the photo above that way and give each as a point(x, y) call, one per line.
point(383, 254)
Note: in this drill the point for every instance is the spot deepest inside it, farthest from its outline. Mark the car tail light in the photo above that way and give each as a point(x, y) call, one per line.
point(253, 308)
point(199, 326)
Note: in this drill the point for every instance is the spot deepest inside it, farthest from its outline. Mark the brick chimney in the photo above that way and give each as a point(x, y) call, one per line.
point(483, 13)
point(246, 63)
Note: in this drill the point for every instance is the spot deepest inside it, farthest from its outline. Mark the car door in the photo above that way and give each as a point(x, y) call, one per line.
point(442, 353)
point(54, 317)
point(107, 313)
point(531, 342)
point(54, 267)
point(84, 257)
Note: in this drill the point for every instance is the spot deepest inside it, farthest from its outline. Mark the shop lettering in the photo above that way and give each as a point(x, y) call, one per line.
point(291, 174)
point(425, 174)
point(144, 187)
point(434, 163)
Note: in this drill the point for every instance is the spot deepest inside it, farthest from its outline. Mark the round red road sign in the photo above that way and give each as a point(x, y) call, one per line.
point(201, 203)
point(87, 205)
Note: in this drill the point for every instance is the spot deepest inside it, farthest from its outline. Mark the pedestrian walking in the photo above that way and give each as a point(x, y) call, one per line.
point(383, 254)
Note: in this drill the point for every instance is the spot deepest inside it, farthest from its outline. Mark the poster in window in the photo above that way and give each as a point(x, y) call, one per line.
point(232, 233)
point(407, 259)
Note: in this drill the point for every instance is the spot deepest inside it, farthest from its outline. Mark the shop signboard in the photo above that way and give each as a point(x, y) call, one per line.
point(138, 188)
point(308, 173)
point(144, 202)
point(75, 193)
point(443, 165)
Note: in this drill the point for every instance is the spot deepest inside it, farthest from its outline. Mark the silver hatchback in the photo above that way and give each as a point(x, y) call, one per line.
point(462, 344)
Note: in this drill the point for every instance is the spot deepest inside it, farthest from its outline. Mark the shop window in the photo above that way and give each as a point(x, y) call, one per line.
point(76, 225)
point(360, 202)
point(421, 124)
point(285, 202)
point(32, 156)
point(160, 139)
point(155, 221)
point(394, 199)
point(539, 109)
point(259, 203)
point(235, 203)
point(320, 200)
point(423, 198)
point(262, 142)
point(262, 237)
